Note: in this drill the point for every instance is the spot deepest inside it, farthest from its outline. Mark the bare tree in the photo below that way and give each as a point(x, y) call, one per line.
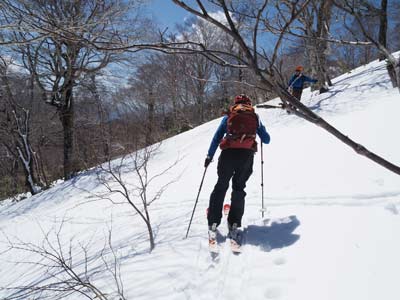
point(103, 116)
point(361, 7)
point(145, 88)
point(61, 35)
point(198, 66)
point(316, 20)
point(258, 60)
point(113, 176)
point(15, 124)
point(65, 270)
point(93, 124)
point(172, 90)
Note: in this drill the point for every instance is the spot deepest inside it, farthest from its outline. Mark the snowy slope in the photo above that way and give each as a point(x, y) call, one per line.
point(331, 231)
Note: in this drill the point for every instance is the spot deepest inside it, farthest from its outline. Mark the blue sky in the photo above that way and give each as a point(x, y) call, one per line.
point(167, 13)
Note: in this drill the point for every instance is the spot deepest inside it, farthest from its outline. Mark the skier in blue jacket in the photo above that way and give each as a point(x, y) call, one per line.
point(236, 138)
point(296, 82)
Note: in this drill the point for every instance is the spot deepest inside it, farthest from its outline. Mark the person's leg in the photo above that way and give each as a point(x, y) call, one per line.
point(297, 93)
point(225, 173)
point(243, 170)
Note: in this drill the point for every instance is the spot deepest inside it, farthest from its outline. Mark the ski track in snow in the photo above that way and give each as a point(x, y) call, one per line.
point(230, 275)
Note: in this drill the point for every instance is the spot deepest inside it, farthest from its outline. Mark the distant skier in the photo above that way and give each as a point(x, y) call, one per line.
point(296, 82)
point(236, 136)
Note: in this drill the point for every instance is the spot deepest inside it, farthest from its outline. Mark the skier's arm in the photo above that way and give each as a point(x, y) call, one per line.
point(262, 132)
point(308, 79)
point(219, 134)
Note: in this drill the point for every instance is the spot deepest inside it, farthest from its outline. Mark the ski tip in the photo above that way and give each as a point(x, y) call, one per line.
point(213, 246)
point(236, 251)
point(226, 209)
point(236, 248)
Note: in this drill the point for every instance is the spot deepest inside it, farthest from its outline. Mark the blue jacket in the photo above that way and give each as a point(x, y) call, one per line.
point(222, 129)
point(297, 81)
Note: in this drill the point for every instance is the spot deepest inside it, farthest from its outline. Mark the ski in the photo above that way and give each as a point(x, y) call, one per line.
point(215, 238)
point(227, 208)
point(213, 248)
point(236, 248)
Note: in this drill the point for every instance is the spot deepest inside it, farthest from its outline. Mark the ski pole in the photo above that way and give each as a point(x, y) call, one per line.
point(262, 182)
point(195, 204)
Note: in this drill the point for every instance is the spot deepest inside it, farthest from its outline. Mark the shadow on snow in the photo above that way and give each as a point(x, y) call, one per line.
point(276, 235)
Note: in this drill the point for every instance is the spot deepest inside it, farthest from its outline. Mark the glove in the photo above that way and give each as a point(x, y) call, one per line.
point(207, 161)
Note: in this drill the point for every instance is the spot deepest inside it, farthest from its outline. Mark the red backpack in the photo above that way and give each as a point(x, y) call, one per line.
point(242, 127)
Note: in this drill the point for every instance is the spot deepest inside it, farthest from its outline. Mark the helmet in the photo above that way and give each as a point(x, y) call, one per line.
point(299, 68)
point(242, 98)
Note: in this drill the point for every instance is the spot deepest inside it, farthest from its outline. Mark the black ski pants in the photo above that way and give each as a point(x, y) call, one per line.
point(235, 164)
point(297, 93)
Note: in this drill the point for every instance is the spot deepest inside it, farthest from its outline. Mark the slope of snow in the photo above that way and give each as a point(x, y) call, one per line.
point(331, 230)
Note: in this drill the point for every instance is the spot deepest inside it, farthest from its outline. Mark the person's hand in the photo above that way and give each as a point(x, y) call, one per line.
point(207, 161)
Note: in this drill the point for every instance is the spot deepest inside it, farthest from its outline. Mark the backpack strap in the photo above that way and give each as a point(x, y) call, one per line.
point(297, 78)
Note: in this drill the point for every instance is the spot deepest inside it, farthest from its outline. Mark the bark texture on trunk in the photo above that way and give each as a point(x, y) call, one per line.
point(318, 46)
point(67, 120)
point(150, 139)
point(383, 25)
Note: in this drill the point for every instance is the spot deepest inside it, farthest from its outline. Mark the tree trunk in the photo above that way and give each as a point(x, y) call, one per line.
point(321, 45)
point(14, 176)
point(392, 74)
point(41, 167)
point(28, 171)
point(105, 135)
point(20, 130)
point(383, 24)
point(200, 87)
point(314, 57)
point(67, 120)
point(200, 103)
point(151, 234)
point(397, 68)
point(328, 80)
point(26, 154)
point(150, 120)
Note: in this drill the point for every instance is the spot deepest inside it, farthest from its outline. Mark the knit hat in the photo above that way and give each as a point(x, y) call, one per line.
point(299, 68)
point(242, 98)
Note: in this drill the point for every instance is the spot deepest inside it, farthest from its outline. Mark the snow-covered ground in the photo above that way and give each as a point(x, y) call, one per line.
point(331, 230)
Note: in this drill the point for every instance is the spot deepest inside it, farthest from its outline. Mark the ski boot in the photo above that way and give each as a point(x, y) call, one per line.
point(235, 236)
point(212, 238)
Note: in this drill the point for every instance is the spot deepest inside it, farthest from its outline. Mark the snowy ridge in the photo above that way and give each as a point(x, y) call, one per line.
point(331, 231)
